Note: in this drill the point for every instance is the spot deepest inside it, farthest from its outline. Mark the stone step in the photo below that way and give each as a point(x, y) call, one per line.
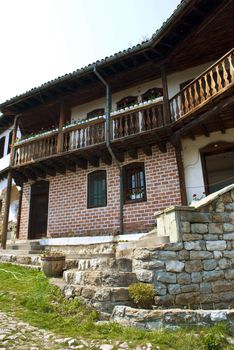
point(103, 263)
point(110, 278)
point(103, 299)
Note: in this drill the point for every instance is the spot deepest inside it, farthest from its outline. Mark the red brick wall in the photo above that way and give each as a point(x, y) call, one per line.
point(68, 213)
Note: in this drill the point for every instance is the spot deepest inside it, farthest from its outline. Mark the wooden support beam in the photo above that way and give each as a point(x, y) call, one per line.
point(58, 167)
point(220, 124)
point(69, 164)
point(180, 167)
point(60, 128)
point(147, 149)
point(119, 155)
point(166, 107)
point(133, 153)
point(80, 161)
point(205, 130)
point(29, 174)
point(105, 157)
point(19, 177)
point(47, 169)
point(38, 172)
point(94, 161)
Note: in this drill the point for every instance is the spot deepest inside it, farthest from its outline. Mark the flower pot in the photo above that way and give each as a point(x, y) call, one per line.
point(53, 266)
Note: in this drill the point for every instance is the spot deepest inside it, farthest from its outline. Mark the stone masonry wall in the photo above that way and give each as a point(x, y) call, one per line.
point(198, 271)
point(68, 212)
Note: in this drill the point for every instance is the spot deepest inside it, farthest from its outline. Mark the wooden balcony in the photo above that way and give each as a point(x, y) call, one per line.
point(85, 135)
point(140, 126)
point(213, 82)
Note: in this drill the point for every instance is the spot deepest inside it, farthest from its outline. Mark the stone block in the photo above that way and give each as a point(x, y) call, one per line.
point(119, 294)
point(205, 287)
point(226, 198)
point(186, 299)
point(196, 277)
point(228, 236)
point(192, 237)
point(220, 217)
point(217, 254)
point(223, 286)
point(142, 254)
point(225, 264)
point(216, 245)
point(174, 266)
point(215, 228)
point(144, 275)
point(160, 288)
point(183, 255)
point(231, 217)
point(166, 300)
point(174, 246)
point(232, 195)
point(88, 292)
point(185, 226)
point(228, 227)
point(183, 278)
point(193, 266)
point(209, 276)
point(102, 294)
point(211, 237)
point(165, 277)
point(200, 255)
point(209, 264)
point(166, 254)
point(196, 217)
point(199, 228)
point(229, 207)
point(219, 207)
point(174, 289)
point(194, 245)
point(228, 254)
point(229, 274)
point(190, 288)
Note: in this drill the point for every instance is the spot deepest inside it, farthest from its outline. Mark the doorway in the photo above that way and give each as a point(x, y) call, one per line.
point(218, 166)
point(38, 214)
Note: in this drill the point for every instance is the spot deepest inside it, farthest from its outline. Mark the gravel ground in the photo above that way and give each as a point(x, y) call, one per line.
point(15, 334)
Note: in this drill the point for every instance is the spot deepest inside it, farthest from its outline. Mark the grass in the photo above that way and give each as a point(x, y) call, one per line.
point(31, 298)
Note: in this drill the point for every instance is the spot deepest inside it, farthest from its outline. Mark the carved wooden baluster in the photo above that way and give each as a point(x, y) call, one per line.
point(137, 121)
point(154, 118)
point(131, 124)
point(160, 117)
point(177, 107)
point(212, 83)
point(219, 80)
point(172, 109)
point(225, 74)
point(120, 126)
point(125, 125)
point(231, 68)
point(207, 90)
point(143, 122)
point(196, 94)
point(191, 101)
point(201, 90)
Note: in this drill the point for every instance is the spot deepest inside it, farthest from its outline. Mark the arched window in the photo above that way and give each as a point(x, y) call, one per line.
point(134, 182)
point(152, 94)
point(96, 113)
point(127, 102)
point(97, 190)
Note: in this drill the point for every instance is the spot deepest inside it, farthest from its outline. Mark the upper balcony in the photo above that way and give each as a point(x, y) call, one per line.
point(139, 126)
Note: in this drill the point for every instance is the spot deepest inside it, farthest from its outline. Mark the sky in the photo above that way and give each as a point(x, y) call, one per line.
point(43, 39)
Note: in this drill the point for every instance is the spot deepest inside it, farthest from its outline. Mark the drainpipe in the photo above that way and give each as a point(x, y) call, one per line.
point(108, 145)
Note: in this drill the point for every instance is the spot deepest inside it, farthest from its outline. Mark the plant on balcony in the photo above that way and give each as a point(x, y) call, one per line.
point(52, 263)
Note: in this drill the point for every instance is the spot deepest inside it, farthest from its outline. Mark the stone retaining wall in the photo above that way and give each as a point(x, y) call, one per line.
point(198, 270)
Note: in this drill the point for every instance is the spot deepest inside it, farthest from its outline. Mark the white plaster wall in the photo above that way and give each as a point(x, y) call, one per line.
point(5, 160)
point(174, 81)
point(192, 161)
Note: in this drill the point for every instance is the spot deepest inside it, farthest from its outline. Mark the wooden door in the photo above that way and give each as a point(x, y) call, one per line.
point(38, 210)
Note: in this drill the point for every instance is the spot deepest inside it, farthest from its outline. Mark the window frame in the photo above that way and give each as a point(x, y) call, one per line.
point(2, 146)
point(89, 177)
point(126, 101)
point(126, 168)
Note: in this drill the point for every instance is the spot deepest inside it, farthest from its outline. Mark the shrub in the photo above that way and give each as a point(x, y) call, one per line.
point(142, 294)
point(214, 340)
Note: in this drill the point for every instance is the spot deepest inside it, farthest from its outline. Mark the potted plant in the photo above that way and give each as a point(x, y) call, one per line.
point(52, 263)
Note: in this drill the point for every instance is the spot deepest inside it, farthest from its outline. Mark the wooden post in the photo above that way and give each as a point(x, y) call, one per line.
point(60, 128)
point(166, 107)
point(19, 212)
point(9, 185)
point(180, 167)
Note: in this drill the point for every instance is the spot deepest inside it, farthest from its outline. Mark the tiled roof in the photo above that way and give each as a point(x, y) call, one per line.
point(109, 59)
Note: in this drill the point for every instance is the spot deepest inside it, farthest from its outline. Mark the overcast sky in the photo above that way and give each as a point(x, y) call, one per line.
point(43, 39)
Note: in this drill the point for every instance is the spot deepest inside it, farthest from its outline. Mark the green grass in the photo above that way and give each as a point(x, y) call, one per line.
point(31, 298)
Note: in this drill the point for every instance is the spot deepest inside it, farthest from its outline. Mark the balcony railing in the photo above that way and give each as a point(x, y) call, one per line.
point(211, 83)
point(123, 124)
